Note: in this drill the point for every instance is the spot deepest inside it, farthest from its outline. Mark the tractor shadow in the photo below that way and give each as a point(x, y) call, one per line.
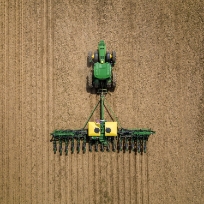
point(95, 91)
point(91, 90)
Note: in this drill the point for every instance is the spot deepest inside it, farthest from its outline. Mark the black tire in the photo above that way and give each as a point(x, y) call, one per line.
point(95, 56)
point(89, 80)
point(107, 56)
point(114, 57)
point(96, 85)
point(109, 85)
point(114, 79)
point(89, 58)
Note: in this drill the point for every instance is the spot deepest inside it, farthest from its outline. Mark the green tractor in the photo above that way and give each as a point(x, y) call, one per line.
point(101, 76)
point(101, 134)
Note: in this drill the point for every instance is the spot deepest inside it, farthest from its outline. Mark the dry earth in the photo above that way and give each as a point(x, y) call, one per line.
point(160, 60)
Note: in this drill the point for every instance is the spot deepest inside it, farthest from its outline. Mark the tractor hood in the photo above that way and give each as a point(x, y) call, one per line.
point(102, 51)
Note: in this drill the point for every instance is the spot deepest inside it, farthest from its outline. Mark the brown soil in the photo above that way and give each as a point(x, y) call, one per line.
point(160, 60)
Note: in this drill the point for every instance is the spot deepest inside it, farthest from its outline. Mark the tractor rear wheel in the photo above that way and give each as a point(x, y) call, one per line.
point(89, 58)
point(89, 80)
point(95, 56)
point(114, 79)
point(113, 56)
point(96, 85)
point(109, 85)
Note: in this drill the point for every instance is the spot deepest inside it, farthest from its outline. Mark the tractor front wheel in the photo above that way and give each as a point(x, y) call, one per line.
point(96, 84)
point(95, 56)
point(108, 57)
point(114, 57)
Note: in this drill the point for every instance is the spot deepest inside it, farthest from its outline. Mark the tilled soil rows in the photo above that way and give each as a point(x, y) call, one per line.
point(43, 69)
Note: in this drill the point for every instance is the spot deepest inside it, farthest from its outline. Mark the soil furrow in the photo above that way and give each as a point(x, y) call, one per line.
point(43, 69)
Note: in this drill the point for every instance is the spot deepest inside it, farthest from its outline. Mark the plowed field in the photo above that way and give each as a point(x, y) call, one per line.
point(160, 85)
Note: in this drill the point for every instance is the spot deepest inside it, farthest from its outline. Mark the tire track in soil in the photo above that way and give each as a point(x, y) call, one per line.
point(62, 177)
point(21, 132)
point(96, 177)
point(147, 163)
point(28, 117)
point(74, 175)
point(85, 177)
point(45, 98)
point(127, 179)
point(51, 101)
point(17, 107)
point(101, 177)
point(23, 162)
point(34, 104)
point(108, 177)
point(104, 178)
point(145, 180)
point(2, 94)
point(90, 177)
point(121, 176)
point(12, 100)
point(68, 178)
point(138, 179)
point(30, 160)
point(114, 167)
point(132, 176)
point(5, 147)
point(118, 179)
point(79, 177)
point(41, 98)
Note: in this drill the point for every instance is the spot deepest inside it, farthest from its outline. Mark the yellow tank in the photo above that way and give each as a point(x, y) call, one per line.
point(93, 129)
point(111, 129)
